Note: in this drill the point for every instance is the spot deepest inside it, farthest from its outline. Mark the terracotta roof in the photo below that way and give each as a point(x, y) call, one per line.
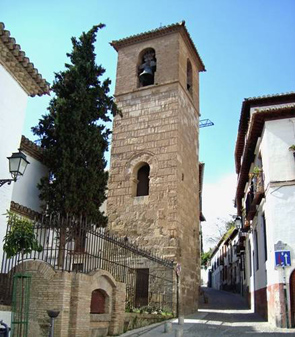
point(231, 236)
point(255, 129)
point(23, 210)
point(245, 117)
point(177, 27)
point(31, 148)
point(14, 60)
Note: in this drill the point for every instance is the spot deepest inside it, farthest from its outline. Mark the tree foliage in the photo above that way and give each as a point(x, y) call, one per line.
point(20, 238)
point(74, 135)
point(221, 228)
point(205, 258)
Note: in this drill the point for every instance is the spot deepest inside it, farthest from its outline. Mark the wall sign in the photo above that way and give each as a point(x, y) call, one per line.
point(283, 258)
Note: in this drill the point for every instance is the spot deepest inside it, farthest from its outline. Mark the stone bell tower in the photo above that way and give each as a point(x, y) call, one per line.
point(153, 191)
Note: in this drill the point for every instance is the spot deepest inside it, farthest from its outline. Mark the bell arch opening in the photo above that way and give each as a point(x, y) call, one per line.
point(189, 77)
point(147, 66)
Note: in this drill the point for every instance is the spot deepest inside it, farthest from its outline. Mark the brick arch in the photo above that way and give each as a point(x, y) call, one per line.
point(98, 274)
point(103, 281)
point(137, 159)
point(38, 266)
point(292, 297)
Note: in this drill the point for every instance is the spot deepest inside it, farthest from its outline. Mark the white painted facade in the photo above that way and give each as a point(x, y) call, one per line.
point(216, 270)
point(13, 101)
point(25, 191)
point(18, 80)
point(225, 264)
point(274, 218)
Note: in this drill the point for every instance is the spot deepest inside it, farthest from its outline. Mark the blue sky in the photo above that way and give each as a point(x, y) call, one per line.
point(248, 48)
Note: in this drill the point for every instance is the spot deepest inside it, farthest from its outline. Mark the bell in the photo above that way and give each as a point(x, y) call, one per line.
point(147, 76)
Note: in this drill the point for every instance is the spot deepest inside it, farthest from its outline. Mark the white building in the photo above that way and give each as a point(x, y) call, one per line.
point(225, 263)
point(18, 80)
point(265, 200)
point(25, 195)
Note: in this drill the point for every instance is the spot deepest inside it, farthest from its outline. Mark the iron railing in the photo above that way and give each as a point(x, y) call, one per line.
point(76, 245)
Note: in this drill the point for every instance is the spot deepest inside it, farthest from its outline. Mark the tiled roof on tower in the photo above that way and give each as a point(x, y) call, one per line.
point(158, 32)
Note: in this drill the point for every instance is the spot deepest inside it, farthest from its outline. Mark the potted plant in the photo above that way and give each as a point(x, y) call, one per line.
point(292, 148)
point(19, 240)
point(256, 171)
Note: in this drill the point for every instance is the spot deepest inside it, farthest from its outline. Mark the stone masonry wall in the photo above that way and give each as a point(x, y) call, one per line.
point(160, 127)
point(145, 135)
point(188, 201)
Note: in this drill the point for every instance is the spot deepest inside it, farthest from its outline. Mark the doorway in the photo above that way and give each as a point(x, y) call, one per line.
point(142, 288)
point(292, 297)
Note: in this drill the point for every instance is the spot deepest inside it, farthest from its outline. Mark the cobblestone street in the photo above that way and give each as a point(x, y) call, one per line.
point(225, 314)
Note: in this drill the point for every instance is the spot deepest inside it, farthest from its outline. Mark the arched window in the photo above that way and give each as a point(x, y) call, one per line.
point(189, 77)
point(98, 302)
point(147, 67)
point(143, 180)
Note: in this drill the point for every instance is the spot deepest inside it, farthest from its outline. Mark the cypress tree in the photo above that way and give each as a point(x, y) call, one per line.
point(74, 135)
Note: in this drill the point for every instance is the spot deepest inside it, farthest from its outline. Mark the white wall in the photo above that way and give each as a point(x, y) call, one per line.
point(260, 273)
point(279, 168)
point(6, 317)
point(25, 191)
point(13, 102)
point(204, 276)
point(278, 161)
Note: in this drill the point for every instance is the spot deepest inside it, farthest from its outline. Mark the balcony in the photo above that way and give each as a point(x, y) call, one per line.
point(240, 249)
point(255, 194)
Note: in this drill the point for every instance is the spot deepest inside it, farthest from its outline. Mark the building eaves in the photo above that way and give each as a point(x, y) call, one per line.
point(14, 60)
point(216, 248)
point(24, 211)
point(31, 149)
point(259, 101)
point(258, 118)
point(173, 28)
point(231, 236)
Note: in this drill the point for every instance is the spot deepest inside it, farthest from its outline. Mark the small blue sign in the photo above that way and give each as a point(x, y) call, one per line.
point(283, 258)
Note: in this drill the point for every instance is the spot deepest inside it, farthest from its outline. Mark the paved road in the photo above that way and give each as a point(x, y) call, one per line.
point(225, 314)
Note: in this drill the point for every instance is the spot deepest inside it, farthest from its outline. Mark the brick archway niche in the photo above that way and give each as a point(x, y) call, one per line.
point(71, 294)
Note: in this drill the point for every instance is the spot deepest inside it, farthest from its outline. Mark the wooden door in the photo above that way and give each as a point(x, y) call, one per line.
point(292, 297)
point(142, 287)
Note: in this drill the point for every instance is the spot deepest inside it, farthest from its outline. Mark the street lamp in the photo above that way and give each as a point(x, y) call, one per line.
point(52, 314)
point(17, 166)
point(238, 222)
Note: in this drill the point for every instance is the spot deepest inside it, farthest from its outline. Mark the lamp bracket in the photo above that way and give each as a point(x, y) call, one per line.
point(4, 181)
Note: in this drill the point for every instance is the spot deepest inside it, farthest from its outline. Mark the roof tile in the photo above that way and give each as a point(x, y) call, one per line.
point(15, 61)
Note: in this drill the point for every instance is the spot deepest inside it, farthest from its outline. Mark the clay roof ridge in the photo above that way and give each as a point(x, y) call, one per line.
point(31, 148)
point(24, 61)
point(163, 28)
point(23, 210)
point(275, 108)
point(269, 96)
